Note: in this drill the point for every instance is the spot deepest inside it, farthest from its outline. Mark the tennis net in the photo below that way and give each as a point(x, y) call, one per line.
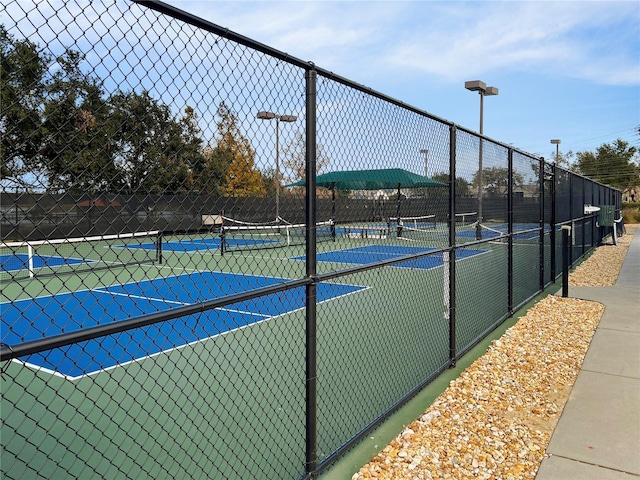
point(499, 231)
point(375, 230)
point(234, 222)
point(254, 237)
point(415, 228)
point(28, 259)
point(467, 218)
point(421, 222)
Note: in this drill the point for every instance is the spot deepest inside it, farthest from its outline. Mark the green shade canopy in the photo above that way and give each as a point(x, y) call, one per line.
point(371, 180)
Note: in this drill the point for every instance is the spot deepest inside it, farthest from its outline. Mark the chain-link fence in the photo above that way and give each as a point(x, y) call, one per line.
point(219, 261)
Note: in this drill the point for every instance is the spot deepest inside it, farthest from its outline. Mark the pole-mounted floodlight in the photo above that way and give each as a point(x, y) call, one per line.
point(482, 89)
point(266, 115)
point(556, 142)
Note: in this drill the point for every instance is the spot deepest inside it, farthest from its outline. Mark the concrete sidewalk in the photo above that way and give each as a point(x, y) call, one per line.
point(598, 434)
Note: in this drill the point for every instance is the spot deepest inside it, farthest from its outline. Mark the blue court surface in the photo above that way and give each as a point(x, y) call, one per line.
point(33, 319)
point(376, 253)
point(212, 243)
point(191, 245)
point(20, 261)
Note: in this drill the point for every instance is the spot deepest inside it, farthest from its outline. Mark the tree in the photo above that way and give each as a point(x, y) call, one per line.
point(55, 122)
point(495, 180)
point(242, 179)
point(564, 159)
point(210, 175)
point(156, 152)
point(61, 133)
point(77, 131)
point(269, 180)
point(461, 187)
point(614, 164)
point(295, 158)
point(23, 82)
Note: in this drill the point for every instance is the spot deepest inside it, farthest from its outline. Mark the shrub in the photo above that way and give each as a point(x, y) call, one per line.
point(631, 212)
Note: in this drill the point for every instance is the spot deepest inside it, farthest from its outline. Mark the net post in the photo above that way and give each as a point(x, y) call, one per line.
point(333, 211)
point(398, 219)
point(223, 240)
point(222, 234)
point(30, 260)
point(159, 248)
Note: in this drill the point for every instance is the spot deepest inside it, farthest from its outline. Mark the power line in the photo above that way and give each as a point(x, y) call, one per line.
point(619, 133)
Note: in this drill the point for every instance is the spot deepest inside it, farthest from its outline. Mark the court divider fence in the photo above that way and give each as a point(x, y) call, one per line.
point(164, 354)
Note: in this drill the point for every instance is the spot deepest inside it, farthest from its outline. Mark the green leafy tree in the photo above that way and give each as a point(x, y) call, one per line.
point(211, 173)
point(55, 122)
point(61, 133)
point(462, 186)
point(242, 179)
point(77, 132)
point(269, 180)
point(23, 80)
point(614, 164)
point(156, 153)
point(565, 159)
point(495, 180)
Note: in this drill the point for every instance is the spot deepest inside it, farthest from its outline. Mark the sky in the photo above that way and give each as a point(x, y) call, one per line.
point(567, 70)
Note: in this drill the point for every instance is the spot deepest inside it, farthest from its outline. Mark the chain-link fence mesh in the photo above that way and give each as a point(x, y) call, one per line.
point(219, 261)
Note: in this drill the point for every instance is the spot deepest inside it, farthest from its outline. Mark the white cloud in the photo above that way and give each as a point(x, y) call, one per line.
point(556, 38)
point(595, 41)
point(330, 33)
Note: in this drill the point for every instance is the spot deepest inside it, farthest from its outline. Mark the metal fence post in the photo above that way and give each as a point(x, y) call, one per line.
point(571, 216)
point(552, 224)
point(541, 222)
point(510, 231)
point(566, 262)
point(451, 300)
point(311, 288)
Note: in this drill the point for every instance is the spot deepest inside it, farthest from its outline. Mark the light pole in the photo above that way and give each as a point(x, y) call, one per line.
point(425, 152)
point(556, 142)
point(426, 160)
point(265, 115)
point(483, 90)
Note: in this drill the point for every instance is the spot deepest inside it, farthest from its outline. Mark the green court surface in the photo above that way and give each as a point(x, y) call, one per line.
point(243, 390)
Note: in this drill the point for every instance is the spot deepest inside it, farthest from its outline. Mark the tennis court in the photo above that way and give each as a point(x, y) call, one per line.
point(28, 259)
point(377, 253)
point(31, 319)
point(496, 230)
point(21, 261)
